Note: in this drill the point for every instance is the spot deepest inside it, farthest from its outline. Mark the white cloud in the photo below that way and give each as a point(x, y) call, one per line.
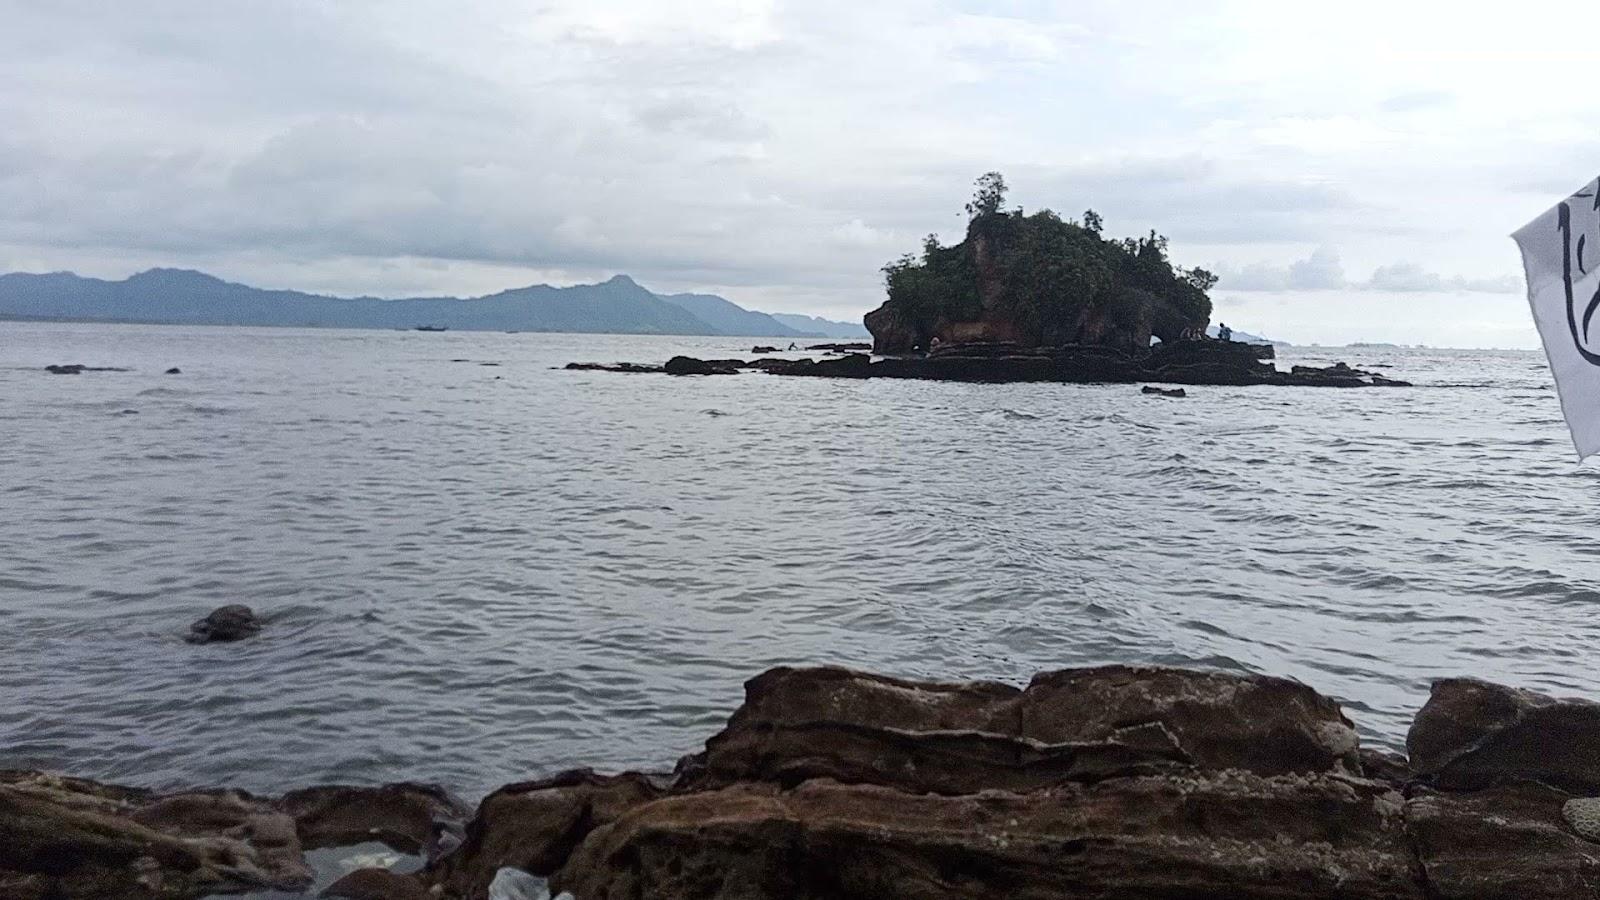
point(1323, 271)
point(775, 150)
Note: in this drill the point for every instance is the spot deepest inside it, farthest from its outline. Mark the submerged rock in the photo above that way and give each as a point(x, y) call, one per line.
point(173, 371)
point(79, 368)
point(614, 367)
point(233, 622)
point(1164, 392)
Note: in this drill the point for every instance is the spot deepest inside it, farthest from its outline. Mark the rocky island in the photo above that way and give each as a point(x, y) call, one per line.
point(1111, 783)
point(1042, 298)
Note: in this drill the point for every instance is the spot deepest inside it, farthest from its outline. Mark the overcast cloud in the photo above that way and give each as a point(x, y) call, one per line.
point(1351, 172)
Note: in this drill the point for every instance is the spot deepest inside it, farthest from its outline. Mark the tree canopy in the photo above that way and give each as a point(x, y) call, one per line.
point(1052, 278)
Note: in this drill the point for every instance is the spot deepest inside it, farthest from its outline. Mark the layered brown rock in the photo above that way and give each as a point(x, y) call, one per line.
point(72, 838)
point(1504, 843)
point(535, 826)
point(66, 837)
point(1228, 836)
point(1472, 734)
point(1077, 725)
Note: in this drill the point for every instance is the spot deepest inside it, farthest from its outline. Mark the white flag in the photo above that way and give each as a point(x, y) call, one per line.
point(1561, 256)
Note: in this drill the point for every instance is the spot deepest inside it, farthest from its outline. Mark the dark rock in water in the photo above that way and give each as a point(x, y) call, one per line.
point(129, 412)
point(688, 365)
point(1177, 362)
point(851, 347)
point(227, 623)
point(1503, 843)
point(782, 366)
point(1473, 734)
point(763, 349)
point(854, 366)
point(614, 367)
point(173, 371)
point(537, 825)
point(1337, 369)
point(378, 884)
point(79, 368)
point(1164, 392)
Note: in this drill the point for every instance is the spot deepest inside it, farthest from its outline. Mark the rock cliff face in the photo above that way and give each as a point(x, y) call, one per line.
point(1110, 783)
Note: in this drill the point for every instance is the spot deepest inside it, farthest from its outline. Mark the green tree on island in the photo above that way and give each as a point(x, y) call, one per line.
point(1038, 280)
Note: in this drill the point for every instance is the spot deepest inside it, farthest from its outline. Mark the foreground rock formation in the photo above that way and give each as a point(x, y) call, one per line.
point(1112, 783)
point(1189, 362)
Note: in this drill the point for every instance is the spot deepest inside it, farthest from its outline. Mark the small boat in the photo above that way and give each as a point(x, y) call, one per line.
point(433, 328)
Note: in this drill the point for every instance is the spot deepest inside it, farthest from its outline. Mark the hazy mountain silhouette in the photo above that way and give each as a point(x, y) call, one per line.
point(730, 318)
point(181, 296)
point(824, 327)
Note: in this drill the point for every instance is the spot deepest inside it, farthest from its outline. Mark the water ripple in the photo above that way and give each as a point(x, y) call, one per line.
point(476, 581)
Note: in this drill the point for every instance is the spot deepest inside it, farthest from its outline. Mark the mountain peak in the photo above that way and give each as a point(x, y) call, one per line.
point(622, 281)
point(171, 276)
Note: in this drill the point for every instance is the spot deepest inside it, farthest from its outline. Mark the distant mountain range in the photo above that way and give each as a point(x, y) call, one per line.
point(184, 297)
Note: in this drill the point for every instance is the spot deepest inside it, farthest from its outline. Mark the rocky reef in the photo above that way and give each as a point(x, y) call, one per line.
point(1188, 362)
point(1112, 783)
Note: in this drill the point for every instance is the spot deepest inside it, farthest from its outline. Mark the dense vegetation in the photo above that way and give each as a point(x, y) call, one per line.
point(1056, 281)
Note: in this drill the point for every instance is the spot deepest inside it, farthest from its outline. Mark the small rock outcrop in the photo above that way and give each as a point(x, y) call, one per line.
point(688, 365)
point(1473, 734)
point(173, 371)
point(1164, 392)
point(79, 369)
point(233, 622)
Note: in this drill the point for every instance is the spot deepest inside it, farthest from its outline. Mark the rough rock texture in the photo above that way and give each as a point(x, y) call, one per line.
point(233, 622)
point(378, 884)
point(1227, 835)
point(1105, 783)
point(1504, 843)
point(1473, 734)
point(404, 816)
point(535, 826)
point(1083, 724)
point(63, 837)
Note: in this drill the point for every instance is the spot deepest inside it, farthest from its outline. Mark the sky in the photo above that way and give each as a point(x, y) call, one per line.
point(1352, 170)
